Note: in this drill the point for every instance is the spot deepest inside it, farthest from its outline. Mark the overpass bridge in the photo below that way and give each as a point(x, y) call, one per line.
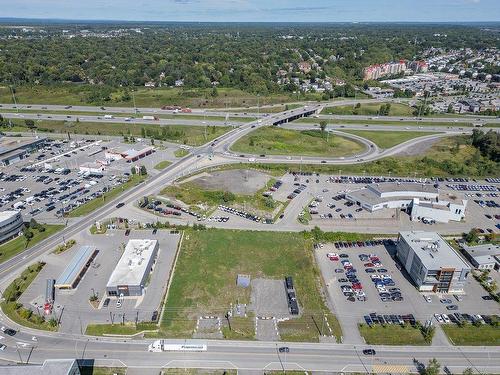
point(295, 114)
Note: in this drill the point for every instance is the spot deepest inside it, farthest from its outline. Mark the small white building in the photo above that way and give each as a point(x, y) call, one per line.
point(130, 274)
point(93, 168)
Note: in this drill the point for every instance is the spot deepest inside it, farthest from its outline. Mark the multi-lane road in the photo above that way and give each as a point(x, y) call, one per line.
point(221, 354)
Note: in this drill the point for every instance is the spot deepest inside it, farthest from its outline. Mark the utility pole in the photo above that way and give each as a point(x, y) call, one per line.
point(279, 358)
point(228, 321)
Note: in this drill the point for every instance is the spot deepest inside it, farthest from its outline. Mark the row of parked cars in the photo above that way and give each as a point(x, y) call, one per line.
point(367, 243)
point(458, 318)
point(374, 318)
point(297, 191)
point(244, 214)
point(472, 187)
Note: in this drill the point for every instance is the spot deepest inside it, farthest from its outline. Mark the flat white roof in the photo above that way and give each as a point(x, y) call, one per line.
point(6, 215)
point(133, 264)
point(433, 251)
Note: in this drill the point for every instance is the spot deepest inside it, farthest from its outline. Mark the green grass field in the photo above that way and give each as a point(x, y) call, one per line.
point(99, 370)
point(95, 203)
point(388, 139)
point(162, 165)
point(19, 244)
point(279, 141)
point(206, 270)
point(119, 329)
point(182, 134)
point(381, 121)
point(471, 335)
point(369, 109)
point(145, 97)
point(180, 153)
point(391, 334)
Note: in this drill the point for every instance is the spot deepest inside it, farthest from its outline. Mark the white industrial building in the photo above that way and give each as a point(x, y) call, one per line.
point(433, 265)
point(422, 201)
point(11, 224)
point(484, 256)
point(130, 274)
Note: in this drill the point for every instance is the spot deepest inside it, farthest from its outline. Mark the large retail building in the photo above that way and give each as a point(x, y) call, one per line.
point(421, 201)
point(11, 224)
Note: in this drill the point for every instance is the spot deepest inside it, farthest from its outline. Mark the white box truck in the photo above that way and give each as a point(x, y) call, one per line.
point(162, 346)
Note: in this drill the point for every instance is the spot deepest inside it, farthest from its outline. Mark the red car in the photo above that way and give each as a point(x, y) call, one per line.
point(374, 259)
point(357, 286)
point(368, 264)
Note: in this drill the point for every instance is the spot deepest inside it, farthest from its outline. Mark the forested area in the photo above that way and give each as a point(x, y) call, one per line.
point(242, 56)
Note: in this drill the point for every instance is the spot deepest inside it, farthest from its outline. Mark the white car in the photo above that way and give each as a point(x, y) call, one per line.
point(2, 347)
point(428, 299)
point(438, 318)
point(445, 318)
point(118, 303)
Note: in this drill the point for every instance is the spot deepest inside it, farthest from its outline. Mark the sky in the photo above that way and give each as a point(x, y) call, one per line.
point(257, 10)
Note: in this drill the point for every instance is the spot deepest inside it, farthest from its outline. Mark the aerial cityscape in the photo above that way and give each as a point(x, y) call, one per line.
point(246, 187)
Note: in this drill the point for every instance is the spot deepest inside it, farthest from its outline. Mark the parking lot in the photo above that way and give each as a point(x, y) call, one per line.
point(49, 181)
point(73, 306)
point(351, 310)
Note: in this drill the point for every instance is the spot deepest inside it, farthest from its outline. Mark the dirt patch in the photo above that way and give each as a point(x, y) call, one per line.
point(419, 148)
point(237, 181)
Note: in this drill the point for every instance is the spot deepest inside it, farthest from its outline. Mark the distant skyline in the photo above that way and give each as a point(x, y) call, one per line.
point(257, 10)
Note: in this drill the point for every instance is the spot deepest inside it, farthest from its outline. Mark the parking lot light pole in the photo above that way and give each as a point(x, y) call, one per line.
point(279, 358)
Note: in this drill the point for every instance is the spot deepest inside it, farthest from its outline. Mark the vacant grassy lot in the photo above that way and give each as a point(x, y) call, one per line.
point(144, 97)
point(162, 165)
point(192, 194)
point(119, 329)
point(183, 134)
point(209, 261)
point(388, 139)
point(95, 203)
point(278, 141)
point(391, 334)
point(471, 335)
point(369, 109)
point(19, 244)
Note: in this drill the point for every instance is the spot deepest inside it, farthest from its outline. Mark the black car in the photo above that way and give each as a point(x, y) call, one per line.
point(487, 298)
point(121, 204)
point(154, 317)
point(369, 352)
point(284, 349)
point(106, 302)
point(9, 331)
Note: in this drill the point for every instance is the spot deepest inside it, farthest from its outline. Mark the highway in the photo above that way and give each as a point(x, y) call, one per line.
point(220, 354)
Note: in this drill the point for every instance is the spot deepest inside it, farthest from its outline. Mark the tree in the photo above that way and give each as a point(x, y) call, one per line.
point(143, 170)
point(432, 368)
point(28, 235)
point(472, 236)
point(30, 124)
point(322, 125)
point(132, 170)
point(468, 371)
point(450, 109)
